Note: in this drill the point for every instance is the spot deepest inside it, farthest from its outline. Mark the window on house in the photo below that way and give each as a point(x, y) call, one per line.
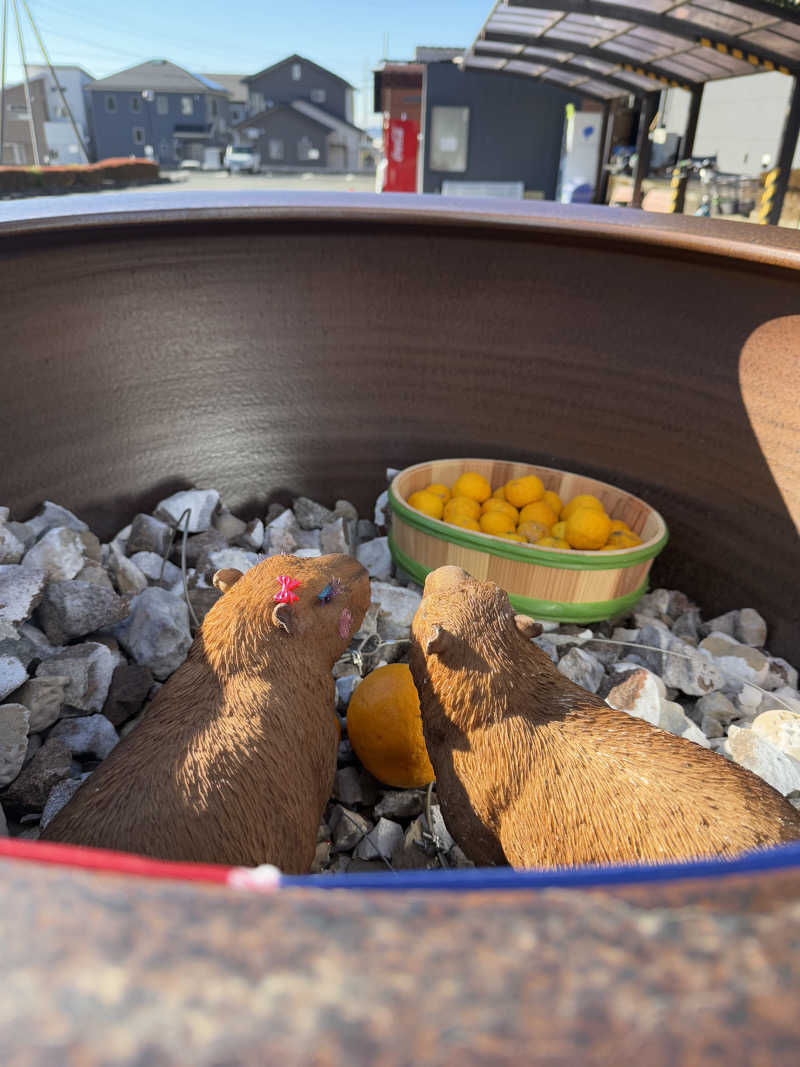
point(111, 103)
point(162, 105)
point(187, 105)
point(306, 151)
point(297, 72)
point(257, 100)
point(213, 107)
point(449, 137)
point(275, 148)
point(236, 114)
point(138, 134)
point(318, 96)
point(136, 104)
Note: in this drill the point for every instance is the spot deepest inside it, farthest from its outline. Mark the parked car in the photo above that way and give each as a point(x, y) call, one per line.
point(242, 157)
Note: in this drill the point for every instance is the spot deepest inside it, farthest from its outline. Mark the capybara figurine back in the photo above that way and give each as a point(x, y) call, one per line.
point(534, 771)
point(234, 760)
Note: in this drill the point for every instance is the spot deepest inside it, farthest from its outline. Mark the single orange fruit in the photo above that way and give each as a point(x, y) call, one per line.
point(496, 522)
point(385, 728)
point(553, 501)
point(472, 485)
point(583, 500)
point(588, 528)
point(461, 505)
point(522, 491)
point(493, 504)
point(539, 512)
point(439, 490)
point(427, 503)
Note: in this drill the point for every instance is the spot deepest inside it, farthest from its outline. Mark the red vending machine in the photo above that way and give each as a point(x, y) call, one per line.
point(400, 141)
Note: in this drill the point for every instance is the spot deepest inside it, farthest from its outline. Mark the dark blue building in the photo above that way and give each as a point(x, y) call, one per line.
point(159, 106)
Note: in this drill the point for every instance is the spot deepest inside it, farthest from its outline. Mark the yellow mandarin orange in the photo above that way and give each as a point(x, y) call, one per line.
point(623, 539)
point(472, 485)
point(618, 524)
point(427, 503)
point(500, 494)
point(466, 522)
point(439, 490)
point(583, 500)
point(513, 537)
point(553, 501)
point(559, 529)
point(588, 528)
point(532, 531)
point(493, 504)
point(539, 512)
point(462, 505)
point(496, 522)
point(384, 726)
point(522, 491)
point(546, 542)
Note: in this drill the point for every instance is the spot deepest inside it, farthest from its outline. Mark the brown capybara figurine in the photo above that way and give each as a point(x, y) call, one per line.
point(234, 760)
point(534, 771)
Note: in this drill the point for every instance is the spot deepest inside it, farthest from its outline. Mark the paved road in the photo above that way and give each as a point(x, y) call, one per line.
point(222, 181)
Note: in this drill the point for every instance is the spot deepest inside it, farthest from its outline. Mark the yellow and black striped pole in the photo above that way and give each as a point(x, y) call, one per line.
point(677, 188)
point(776, 181)
point(768, 207)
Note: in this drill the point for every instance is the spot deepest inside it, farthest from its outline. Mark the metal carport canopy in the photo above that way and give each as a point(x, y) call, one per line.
point(612, 48)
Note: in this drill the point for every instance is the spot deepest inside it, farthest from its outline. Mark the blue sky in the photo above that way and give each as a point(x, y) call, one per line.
point(213, 36)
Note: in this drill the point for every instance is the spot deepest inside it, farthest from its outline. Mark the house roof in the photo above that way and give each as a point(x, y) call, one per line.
point(269, 113)
point(295, 58)
point(433, 54)
point(159, 75)
point(612, 48)
point(62, 66)
point(235, 84)
point(333, 122)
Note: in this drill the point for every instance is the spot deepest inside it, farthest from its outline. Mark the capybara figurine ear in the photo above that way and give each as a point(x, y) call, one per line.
point(224, 579)
point(526, 626)
point(439, 641)
point(281, 616)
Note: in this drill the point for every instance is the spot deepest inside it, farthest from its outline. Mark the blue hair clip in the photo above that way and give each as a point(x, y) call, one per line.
point(329, 592)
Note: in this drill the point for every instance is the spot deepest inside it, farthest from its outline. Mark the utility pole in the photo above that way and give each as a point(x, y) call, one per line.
point(31, 123)
point(54, 76)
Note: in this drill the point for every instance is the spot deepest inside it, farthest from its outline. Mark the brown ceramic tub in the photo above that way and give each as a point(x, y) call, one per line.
point(266, 344)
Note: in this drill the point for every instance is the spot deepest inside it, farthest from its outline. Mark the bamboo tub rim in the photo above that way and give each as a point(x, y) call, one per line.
point(561, 558)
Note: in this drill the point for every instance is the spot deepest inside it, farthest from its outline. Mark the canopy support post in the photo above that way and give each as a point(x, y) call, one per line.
point(777, 180)
point(680, 176)
point(606, 140)
point(648, 113)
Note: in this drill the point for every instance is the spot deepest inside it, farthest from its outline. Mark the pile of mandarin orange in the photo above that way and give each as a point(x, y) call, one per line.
point(523, 510)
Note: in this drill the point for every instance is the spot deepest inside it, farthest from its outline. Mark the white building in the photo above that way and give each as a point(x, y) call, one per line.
point(62, 144)
point(741, 121)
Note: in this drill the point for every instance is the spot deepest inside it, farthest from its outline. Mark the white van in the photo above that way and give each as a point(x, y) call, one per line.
point(242, 157)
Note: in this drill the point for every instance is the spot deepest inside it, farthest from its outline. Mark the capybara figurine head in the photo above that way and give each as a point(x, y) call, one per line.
point(234, 760)
point(300, 607)
point(535, 771)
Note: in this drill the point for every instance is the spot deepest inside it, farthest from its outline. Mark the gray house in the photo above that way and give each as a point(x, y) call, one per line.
point(297, 78)
point(18, 144)
point(160, 109)
point(236, 86)
point(300, 115)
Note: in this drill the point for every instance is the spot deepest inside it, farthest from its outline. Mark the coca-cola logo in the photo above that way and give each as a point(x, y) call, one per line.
point(398, 138)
